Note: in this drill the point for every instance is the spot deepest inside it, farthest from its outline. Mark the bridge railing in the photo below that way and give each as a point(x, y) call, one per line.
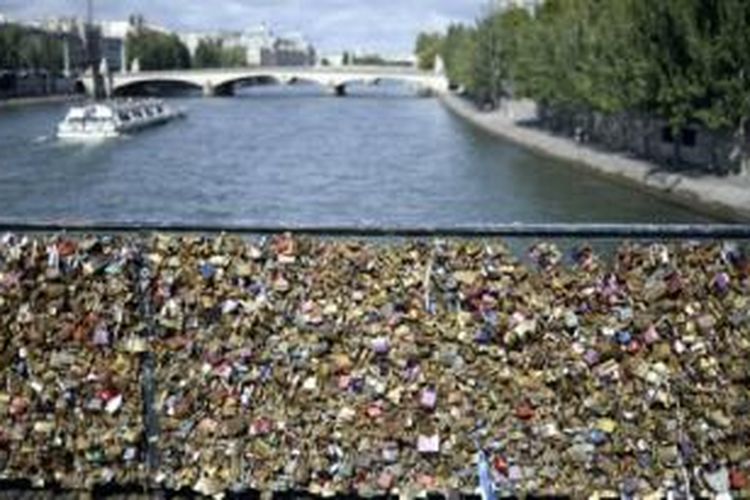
point(441, 287)
point(386, 70)
point(509, 230)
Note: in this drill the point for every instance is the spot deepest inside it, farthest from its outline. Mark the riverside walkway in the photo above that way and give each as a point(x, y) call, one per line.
point(724, 197)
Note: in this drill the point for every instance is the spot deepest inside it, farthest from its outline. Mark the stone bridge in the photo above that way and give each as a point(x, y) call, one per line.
point(222, 81)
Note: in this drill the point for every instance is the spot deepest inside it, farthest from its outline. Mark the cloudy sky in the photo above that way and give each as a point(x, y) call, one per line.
point(386, 26)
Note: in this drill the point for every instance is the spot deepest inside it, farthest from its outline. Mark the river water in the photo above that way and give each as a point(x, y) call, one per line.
point(276, 155)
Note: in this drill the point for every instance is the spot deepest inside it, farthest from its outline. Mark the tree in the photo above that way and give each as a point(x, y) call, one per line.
point(681, 60)
point(427, 48)
point(157, 51)
point(370, 60)
point(12, 39)
point(211, 53)
point(24, 48)
point(458, 53)
point(729, 86)
point(233, 57)
point(208, 53)
point(498, 52)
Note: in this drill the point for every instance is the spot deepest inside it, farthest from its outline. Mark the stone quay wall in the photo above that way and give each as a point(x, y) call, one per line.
point(34, 86)
point(723, 197)
point(693, 148)
point(340, 366)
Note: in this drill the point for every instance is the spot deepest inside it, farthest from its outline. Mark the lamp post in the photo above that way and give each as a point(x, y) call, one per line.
point(93, 52)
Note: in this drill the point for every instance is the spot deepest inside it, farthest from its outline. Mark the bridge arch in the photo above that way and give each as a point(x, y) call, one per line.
point(342, 84)
point(225, 86)
point(378, 80)
point(222, 81)
point(126, 87)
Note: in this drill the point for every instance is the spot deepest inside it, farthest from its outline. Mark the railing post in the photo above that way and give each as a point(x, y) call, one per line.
point(147, 363)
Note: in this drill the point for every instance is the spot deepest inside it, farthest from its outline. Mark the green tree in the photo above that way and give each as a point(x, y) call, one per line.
point(52, 54)
point(682, 60)
point(728, 106)
point(369, 60)
point(233, 57)
point(208, 53)
point(12, 39)
point(211, 53)
point(428, 46)
point(24, 48)
point(459, 53)
point(157, 51)
point(498, 64)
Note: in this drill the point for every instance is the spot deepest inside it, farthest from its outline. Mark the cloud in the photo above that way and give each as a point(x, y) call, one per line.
point(388, 26)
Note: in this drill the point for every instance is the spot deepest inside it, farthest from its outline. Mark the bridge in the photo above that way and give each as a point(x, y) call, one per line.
point(221, 82)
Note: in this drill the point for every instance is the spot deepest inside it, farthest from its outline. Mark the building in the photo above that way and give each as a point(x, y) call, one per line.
point(111, 37)
point(191, 41)
point(72, 33)
point(293, 51)
point(62, 25)
point(113, 44)
point(114, 39)
point(261, 46)
point(257, 44)
point(114, 51)
point(24, 80)
point(116, 29)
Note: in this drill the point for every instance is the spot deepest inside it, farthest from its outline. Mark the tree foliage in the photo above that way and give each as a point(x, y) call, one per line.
point(156, 50)
point(211, 53)
point(207, 53)
point(684, 60)
point(233, 57)
point(459, 49)
point(24, 48)
point(428, 46)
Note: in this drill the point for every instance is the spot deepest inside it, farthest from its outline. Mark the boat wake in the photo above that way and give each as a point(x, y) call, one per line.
point(41, 139)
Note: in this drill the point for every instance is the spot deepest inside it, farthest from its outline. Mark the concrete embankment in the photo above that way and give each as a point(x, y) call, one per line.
point(726, 198)
point(47, 99)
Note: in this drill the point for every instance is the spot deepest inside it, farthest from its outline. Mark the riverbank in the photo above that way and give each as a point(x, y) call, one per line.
point(721, 197)
point(47, 99)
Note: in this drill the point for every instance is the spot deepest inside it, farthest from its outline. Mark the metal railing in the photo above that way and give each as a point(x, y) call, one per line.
point(512, 230)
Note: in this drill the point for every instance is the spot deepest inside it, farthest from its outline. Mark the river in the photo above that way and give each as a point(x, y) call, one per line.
point(295, 155)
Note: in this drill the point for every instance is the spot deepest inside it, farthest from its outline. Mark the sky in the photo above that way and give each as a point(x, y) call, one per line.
point(383, 26)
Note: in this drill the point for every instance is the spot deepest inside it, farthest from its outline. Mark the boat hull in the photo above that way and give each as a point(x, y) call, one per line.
point(106, 121)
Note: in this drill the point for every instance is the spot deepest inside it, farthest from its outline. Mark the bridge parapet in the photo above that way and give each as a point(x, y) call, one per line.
point(220, 81)
point(281, 329)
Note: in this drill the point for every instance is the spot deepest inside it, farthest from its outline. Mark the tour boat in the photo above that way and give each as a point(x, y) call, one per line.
point(103, 120)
